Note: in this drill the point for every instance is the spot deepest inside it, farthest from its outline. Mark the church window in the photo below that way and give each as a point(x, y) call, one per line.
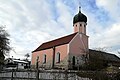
point(58, 57)
point(80, 24)
point(84, 25)
point(44, 58)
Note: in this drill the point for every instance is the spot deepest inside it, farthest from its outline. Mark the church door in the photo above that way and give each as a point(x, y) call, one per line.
point(73, 61)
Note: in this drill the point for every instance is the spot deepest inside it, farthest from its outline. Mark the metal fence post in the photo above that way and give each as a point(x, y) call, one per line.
point(37, 68)
point(66, 74)
point(12, 75)
point(37, 75)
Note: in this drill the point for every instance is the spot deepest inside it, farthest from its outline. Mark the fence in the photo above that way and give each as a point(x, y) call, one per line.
point(57, 75)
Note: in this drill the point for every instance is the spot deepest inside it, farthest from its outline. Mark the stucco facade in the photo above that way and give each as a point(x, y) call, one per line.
point(76, 47)
point(65, 52)
point(62, 49)
point(40, 54)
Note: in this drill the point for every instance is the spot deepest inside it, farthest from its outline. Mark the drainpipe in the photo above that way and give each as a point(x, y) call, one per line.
point(53, 61)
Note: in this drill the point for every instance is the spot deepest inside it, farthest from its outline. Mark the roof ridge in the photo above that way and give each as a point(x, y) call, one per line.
point(103, 52)
point(55, 42)
point(59, 38)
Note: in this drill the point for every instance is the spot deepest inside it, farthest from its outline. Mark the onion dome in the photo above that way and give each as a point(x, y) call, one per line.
point(80, 17)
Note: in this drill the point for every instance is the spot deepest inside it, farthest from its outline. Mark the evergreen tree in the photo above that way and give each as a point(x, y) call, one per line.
point(4, 44)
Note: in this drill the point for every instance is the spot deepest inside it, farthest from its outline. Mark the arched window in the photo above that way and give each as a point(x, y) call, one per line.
point(58, 57)
point(80, 24)
point(76, 25)
point(44, 58)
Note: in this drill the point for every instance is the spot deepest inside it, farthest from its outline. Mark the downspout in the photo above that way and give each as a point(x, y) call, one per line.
point(53, 60)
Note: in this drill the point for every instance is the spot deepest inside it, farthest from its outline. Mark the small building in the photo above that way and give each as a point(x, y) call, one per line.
point(101, 60)
point(66, 52)
point(11, 63)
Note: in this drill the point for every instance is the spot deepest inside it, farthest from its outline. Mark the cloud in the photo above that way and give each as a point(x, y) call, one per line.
point(112, 6)
point(33, 22)
point(24, 22)
point(108, 35)
point(111, 34)
point(107, 38)
point(65, 17)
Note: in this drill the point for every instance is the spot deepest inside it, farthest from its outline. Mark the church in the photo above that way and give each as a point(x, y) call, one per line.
point(68, 51)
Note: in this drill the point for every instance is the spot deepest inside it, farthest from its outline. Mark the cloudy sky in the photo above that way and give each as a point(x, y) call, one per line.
point(31, 22)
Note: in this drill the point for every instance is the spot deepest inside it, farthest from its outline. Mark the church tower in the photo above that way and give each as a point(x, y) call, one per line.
point(80, 22)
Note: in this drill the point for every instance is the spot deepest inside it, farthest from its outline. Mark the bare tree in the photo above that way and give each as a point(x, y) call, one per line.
point(102, 49)
point(118, 52)
point(27, 56)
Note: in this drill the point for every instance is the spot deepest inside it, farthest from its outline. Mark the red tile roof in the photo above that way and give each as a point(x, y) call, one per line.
point(56, 42)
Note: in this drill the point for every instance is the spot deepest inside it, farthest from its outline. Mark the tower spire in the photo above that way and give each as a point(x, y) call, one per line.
point(79, 9)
